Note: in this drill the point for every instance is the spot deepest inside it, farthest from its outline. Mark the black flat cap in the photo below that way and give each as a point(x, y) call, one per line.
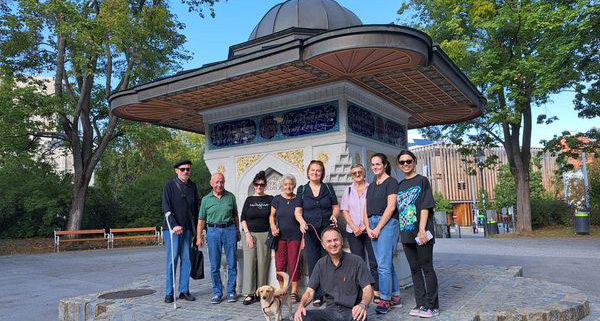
point(183, 162)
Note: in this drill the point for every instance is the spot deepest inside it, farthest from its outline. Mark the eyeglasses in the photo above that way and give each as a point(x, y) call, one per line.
point(357, 173)
point(407, 162)
point(184, 169)
point(260, 185)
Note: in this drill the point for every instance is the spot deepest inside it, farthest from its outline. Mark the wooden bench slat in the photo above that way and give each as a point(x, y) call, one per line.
point(135, 237)
point(79, 232)
point(133, 229)
point(84, 239)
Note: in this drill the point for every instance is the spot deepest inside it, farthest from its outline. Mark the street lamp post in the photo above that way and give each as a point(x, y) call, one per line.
point(480, 163)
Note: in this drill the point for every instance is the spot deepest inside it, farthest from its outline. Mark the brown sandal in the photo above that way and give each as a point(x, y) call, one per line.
point(295, 298)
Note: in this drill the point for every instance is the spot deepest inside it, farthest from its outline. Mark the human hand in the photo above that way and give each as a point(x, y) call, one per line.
point(359, 312)
point(200, 241)
point(422, 235)
point(249, 240)
point(300, 312)
point(333, 220)
point(303, 227)
point(274, 230)
point(178, 229)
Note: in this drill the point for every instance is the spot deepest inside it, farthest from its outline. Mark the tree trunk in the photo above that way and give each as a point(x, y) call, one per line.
point(77, 206)
point(523, 202)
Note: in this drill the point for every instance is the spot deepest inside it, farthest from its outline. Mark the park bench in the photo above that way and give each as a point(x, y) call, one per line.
point(80, 233)
point(148, 233)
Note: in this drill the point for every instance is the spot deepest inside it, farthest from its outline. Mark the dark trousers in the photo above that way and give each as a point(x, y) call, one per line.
point(361, 246)
point(420, 259)
point(313, 251)
point(330, 313)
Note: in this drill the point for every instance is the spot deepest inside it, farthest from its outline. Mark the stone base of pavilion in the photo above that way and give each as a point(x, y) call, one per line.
point(477, 293)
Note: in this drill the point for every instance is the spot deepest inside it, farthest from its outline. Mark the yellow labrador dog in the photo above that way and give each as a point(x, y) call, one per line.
point(272, 300)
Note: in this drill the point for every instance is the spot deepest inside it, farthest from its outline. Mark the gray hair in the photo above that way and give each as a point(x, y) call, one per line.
point(359, 165)
point(290, 177)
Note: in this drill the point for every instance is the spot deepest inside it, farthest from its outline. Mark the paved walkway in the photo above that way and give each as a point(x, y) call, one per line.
point(466, 293)
point(32, 285)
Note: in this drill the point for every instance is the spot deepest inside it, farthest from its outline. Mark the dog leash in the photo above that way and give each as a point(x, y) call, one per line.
point(302, 243)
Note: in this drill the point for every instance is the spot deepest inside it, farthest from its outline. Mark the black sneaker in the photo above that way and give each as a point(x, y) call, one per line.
point(169, 298)
point(187, 296)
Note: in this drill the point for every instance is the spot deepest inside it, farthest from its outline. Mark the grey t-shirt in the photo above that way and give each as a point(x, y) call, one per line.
point(341, 285)
point(377, 196)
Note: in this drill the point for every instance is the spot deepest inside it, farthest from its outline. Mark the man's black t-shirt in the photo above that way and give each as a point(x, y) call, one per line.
point(377, 196)
point(256, 213)
point(414, 195)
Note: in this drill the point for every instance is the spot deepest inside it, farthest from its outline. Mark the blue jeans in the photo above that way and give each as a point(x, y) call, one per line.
point(385, 248)
point(181, 250)
point(216, 239)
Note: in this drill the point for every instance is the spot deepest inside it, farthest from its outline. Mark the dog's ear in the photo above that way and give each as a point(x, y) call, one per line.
point(258, 292)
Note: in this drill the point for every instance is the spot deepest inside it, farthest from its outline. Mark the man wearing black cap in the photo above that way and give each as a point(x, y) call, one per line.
point(180, 207)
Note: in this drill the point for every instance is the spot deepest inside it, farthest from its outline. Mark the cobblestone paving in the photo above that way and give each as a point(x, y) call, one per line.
point(476, 293)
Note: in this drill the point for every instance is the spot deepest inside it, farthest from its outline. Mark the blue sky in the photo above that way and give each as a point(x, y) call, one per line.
point(209, 39)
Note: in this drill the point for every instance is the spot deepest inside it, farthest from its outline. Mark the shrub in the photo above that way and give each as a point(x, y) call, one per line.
point(547, 210)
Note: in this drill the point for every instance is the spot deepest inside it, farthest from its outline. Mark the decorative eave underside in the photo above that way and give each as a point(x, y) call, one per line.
point(396, 63)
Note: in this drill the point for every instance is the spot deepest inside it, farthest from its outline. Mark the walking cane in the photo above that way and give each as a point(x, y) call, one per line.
point(172, 258)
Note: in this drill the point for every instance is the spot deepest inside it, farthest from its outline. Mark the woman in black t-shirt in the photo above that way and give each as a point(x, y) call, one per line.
point(255, 224)
point(415, 207)
point(381, 220)
point(285, 209)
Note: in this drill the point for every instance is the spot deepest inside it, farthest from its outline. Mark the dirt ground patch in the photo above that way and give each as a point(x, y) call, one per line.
point(556, 231)
point(46, 245)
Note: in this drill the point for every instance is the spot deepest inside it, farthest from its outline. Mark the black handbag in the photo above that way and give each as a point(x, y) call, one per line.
point(197, 258)
point(272, 241)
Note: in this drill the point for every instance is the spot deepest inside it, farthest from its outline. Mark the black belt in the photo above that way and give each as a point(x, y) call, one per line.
point(223, 225)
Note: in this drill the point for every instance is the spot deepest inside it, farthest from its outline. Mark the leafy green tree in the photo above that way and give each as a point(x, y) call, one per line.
point(33, 199)
point(517, 53)
point(91, 48)
point(505, 188)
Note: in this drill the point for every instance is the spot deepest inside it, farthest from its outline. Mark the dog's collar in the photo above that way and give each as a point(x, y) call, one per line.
point(266, 308)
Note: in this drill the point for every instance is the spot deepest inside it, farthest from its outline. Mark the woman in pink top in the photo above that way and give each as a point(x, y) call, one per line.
point(353, 206)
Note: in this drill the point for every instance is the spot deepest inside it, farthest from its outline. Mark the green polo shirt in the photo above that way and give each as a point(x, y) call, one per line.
point(215, 210)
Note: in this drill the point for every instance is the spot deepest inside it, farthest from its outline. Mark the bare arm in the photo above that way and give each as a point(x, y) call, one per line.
point(200, 230)
point(359, 311)
point(300, 219)
point(306, 300)
point(387, 214)
point(274, 227)
point(249, 238)
point(335, 212)
point(422, 224)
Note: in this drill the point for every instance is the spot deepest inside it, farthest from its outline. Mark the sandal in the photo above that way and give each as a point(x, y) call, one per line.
point(295, 298)
point(249, 299)
point(317, 303)
point(376, 299)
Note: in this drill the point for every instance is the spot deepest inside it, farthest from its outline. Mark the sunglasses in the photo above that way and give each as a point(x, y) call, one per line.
point(407, 162)
point(260, 185)
point(357, 174)
point(184, 169)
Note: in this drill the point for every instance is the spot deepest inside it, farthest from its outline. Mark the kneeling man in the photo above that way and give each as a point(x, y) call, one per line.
point(344, 279)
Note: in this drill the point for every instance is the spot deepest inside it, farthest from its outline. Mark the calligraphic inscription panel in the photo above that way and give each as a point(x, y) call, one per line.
point(309, 120)
point(368, 124)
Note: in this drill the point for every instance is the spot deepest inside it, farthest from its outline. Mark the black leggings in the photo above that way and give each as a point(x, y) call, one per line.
point(420, 259)
point(361, 246)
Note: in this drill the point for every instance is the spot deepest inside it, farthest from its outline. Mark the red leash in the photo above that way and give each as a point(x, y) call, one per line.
point(302, 247)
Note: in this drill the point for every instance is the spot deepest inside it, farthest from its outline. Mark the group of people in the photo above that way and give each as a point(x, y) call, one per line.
point(377, 215)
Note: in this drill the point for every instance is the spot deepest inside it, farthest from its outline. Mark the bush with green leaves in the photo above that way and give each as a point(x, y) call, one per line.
point(33, 198)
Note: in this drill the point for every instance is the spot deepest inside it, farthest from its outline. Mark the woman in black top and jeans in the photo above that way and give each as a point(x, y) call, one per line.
point(415, 207)
point(255, 224)
point(320, 209)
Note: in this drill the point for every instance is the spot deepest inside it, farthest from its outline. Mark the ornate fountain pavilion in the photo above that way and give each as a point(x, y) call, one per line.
point(311, 82)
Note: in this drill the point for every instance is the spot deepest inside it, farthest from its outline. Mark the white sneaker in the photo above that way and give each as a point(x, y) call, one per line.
point(429, 313)
point(416, 311)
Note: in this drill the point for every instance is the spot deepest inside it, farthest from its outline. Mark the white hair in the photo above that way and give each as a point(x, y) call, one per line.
point(290, 177)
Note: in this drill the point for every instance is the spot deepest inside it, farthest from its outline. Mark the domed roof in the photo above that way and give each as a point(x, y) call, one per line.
point(310, 14)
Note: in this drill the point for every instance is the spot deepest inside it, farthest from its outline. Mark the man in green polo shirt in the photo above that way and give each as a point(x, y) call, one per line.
point(218, 211)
